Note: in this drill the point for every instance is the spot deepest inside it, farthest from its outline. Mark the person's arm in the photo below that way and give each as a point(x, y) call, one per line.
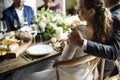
point(110, 51)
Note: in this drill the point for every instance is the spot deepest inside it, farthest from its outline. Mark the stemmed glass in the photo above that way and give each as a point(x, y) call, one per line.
point(42, 29)
point(33, 32)
point(3, 27)
point(16, 24)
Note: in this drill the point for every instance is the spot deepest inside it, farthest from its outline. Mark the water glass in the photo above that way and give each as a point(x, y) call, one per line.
point(3, 27)
point(33, 32)
point(16, 24)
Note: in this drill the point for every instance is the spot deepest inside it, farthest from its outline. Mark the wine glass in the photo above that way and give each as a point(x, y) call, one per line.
point(33, 33)
point(3, 27)
point(16, 24)
point(42, 30)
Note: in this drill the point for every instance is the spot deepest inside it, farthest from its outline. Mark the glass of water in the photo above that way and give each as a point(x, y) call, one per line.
point(3, 27)
point(33, 33)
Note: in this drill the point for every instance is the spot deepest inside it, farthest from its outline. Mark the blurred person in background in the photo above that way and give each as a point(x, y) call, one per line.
point(50, 4)
point(19, 13)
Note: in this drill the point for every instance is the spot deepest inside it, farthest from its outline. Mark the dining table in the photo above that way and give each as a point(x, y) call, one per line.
point(23, 60)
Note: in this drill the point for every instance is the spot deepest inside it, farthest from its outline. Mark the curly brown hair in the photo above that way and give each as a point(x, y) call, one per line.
point(102, 22)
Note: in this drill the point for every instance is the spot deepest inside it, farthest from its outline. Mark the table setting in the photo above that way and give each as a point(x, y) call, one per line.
point(34, 39)
point(31, 44)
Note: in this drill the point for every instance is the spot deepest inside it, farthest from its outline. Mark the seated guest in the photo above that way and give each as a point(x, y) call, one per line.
point(19, 13)
point(110, 50)
point(50, 4)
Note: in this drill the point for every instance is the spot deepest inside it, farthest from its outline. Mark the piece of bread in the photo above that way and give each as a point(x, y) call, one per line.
point(2, 53)
point(9, 41)
point(23, 35)
point(12, 47)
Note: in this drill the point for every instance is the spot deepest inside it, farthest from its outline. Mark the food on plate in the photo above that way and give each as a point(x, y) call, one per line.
point(3, 47)
point(2, 53)
point(12, 33)
point(9, 41)
point(23, 35)
point(12, 47)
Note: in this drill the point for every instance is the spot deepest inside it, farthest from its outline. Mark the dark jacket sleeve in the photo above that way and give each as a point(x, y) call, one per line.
point(110, 50)
point(29, 13)
point(6, 18)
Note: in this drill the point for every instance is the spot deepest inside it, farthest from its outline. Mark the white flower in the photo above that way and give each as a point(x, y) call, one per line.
point(53, 25)
point(42, 24)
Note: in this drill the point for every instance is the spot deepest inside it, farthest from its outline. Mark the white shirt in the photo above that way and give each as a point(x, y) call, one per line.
point(84, 46)
point(20, 14)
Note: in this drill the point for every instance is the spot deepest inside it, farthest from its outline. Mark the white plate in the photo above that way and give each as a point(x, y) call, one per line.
point(39, 49)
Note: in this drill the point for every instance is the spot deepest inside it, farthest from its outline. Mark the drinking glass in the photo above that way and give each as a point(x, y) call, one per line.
point(16, 24)
point(3, 27)
point(33, 33)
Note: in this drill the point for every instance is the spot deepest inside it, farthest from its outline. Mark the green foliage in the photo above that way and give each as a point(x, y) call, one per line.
point(49, 32)
point(75, 5)
point(64, 26)
point(48, 16)
point(45, 15)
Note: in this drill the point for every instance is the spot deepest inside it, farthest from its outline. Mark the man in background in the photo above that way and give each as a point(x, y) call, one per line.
point(19, 13)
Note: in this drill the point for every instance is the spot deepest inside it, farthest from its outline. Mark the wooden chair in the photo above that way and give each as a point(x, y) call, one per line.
point(93, 61)
point(102, 71)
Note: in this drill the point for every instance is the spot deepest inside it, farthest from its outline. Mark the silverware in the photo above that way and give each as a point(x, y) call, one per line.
point(27, 57)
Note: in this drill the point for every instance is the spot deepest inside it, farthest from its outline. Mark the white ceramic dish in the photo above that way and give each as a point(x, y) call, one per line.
point(39, 49)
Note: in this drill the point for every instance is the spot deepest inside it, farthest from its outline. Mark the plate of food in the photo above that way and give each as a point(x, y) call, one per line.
point(39, 49)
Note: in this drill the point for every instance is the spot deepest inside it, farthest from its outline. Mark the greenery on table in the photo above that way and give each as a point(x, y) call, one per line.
point(63, 25)
point(45, 15)
point(49, 33)
point(49, 17)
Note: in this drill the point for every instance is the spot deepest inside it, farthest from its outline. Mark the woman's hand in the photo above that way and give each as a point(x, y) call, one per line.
point(76, 38)
point(63, 42)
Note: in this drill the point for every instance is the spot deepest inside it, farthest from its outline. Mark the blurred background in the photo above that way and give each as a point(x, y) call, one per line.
point(68, 6)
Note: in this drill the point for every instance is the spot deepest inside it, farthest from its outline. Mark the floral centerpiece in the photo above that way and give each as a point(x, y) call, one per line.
point(48, 21)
